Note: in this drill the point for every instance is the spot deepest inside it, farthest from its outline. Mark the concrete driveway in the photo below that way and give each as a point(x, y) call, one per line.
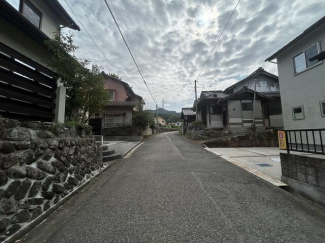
point(263, 159)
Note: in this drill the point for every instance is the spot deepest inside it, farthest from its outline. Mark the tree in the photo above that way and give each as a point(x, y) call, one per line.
point(86, 95)
point(113, 75)
point(143, 119)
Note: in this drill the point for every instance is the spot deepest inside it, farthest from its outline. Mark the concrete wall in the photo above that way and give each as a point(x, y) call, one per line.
point(305, 175)
point(305, 89)
point(238, 117)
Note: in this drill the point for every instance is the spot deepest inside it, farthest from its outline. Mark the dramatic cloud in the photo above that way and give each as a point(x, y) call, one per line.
point(172, 39)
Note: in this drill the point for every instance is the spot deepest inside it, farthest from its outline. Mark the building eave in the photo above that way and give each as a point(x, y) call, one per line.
point(14, 17)
point(58, 9)
point(297, 39)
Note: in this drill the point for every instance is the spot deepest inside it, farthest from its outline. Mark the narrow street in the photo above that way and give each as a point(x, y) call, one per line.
point(171, 190)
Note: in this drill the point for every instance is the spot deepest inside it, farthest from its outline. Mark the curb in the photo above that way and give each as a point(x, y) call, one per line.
point(26, 229)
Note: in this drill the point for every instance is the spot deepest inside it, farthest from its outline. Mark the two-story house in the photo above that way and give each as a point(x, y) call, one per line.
point(123, 103)
point(254, 100)
point(160, 121)
point(28, 90)
point(302, 79)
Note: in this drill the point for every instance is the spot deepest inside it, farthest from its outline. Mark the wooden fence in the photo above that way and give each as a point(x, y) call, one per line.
point(27, 89)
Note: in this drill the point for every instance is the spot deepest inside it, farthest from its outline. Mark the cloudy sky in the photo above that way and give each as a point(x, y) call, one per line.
point(172, 39)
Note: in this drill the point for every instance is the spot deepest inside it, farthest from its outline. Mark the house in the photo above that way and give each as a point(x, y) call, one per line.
point(188, 116)
point(160, 120)
point(25, 25)
point(234, 107)
point(302, 79)
point(123, 103)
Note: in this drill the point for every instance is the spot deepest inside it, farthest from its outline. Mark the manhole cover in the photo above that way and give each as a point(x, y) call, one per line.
point(265, 165)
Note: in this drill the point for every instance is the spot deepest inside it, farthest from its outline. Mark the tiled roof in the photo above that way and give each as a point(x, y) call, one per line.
point(218, 94)
point(188, 112)
point(126, 103)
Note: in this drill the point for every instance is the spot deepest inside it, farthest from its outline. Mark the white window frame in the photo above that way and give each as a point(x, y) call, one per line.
point(110, 98)
point(322, 111)
point(303, 113)
point(304, 52)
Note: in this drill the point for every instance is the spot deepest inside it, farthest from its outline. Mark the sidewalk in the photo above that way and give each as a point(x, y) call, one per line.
point(121, 147)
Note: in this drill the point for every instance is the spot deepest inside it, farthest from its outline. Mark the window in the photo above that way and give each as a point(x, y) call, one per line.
point(247, 106)
point(111, 95)
point(31, 13)
point(322, 108)
point(298, 113)
point(302, 62)
point(113, 121)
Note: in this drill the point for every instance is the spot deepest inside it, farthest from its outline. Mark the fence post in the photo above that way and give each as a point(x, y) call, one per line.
point(60, 104)
point(287, 142)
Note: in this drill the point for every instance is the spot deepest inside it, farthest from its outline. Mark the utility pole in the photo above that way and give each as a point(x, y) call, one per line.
point(254, 103)
point(196, 111)
point(157, 123)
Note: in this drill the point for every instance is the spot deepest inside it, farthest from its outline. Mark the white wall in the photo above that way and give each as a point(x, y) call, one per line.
point(306, 89)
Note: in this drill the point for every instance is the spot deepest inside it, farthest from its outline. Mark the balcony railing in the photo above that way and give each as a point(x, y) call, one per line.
point(306, 140)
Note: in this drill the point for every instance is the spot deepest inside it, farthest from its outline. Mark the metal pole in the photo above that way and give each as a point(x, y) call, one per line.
point(196, 118)
point(254, 103)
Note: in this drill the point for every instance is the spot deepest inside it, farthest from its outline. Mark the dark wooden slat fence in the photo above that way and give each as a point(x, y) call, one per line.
point(27, 92)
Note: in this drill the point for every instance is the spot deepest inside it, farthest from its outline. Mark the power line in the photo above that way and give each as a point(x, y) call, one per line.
point(218, 39)
point(91, 37)
point(129, 51)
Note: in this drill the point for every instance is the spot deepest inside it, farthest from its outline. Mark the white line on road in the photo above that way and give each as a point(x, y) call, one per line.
point(219, 209)
point(169, 139)
point(179, 152)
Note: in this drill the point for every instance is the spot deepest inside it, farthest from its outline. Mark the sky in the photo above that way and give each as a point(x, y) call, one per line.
point(172, 39)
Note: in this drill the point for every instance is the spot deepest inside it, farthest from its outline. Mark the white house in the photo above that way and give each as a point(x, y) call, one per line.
point(25, 25)
point(302, 80)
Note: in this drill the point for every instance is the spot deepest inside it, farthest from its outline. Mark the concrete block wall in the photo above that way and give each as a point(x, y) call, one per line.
point(41, 163)
point(305, 169)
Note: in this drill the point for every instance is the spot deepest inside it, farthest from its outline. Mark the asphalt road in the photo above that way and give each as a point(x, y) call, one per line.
point(171, 190)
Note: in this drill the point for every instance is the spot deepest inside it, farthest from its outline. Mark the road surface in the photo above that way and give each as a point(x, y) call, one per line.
point(172, 190)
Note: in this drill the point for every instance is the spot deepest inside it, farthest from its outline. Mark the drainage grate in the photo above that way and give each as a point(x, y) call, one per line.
point(265, 165)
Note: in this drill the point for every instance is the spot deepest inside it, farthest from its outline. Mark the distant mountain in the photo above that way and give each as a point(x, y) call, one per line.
point(169, 116)
point(162, 111)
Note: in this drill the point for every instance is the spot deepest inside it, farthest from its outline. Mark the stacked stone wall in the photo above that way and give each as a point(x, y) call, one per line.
point(41, 163)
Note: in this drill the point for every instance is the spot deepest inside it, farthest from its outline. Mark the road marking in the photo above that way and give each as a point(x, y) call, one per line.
point(257, 173)
point(129, 154)
point(219, 209)
point(169, 139)
point(179, 152)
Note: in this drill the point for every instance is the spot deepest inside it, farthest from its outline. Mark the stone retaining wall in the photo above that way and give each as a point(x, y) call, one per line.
point(41, 163)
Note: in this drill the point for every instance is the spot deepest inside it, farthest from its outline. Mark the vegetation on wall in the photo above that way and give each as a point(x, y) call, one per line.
point(86, 95)
point(113, 75)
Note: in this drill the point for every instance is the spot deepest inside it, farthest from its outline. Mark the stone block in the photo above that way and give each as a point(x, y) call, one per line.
point(35, 188)
point(28, 157)
point(22, 191)
point(36, 212)
point(8, 206)
point(58, 188)
point(3, 178)
point(7, 148)
point(34, 173)
point(12, 188)
point(73, 181)
point(46, 167)
point(4, 223)
point(59, 165)
point(49, 195)
point(16, 172)
point(48, 181)
point(301, 177)
point(17, 134)
point(53, 144)
point(9, 160)
point(35, 201)
point(13, 229)
point(22, 145)
point(45, 134)
point(21, 217)
point(46, 206)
